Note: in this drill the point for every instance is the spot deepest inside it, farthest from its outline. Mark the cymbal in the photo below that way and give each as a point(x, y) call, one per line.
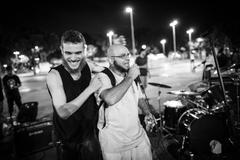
point(159, 85)
point(186, 93)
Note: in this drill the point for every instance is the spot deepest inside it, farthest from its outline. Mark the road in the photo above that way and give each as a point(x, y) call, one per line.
point(175, 73)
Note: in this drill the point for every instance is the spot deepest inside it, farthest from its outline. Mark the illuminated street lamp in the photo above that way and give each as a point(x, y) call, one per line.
point(189, 32)
point(36, 48)
point(200, 39)
point(190, 44)
point(163, 41)
point(173, 24)
point(110, 34)
point(144, 46)
point(130, 11)
point(5, 66)
point(16, 54)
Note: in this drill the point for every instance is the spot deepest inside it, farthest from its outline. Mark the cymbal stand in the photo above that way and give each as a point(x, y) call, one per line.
point(236, 83)
point(161, 128)
point(226, 107)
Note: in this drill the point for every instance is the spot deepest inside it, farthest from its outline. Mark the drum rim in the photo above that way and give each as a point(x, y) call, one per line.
point(187, 111)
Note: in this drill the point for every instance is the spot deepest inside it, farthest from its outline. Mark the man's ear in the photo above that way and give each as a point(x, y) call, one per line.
point(61, 48)
point(110, 60)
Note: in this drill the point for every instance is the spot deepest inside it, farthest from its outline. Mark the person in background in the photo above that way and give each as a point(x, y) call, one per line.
point(223, 57)
point(192, 61)
point(142, 62)
point(55, 58)
point(1, 99)
point(75, 111)
point(121, 134)
point(11, 83)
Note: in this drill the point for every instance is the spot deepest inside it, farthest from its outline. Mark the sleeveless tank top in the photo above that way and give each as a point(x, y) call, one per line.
point(81, 124)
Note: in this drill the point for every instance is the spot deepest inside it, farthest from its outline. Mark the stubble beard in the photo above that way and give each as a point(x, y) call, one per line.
point(74, 71)
point(119, 68)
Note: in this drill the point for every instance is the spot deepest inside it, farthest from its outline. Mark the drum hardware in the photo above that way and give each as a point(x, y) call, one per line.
point(234, 66)
point(161, 118)
point(237, 84)
point(159, 85)
point(199, 106)
point(161, 127)
point(183, 93)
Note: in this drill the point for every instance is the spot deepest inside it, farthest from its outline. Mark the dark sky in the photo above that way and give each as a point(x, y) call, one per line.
point(97, 17)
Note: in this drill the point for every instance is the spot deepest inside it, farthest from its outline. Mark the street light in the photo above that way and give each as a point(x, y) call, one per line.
point(5, 66)
point(190, 43)
point(130, 11)
point(110, 34)
point(163, 41)
point(16, 54)
point(144, 46)
point(200, 39)
point(189, 32)
point(173, 24)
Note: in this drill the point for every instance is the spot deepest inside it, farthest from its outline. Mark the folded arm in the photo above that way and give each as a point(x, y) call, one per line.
point(112, 95)
point(65, 109)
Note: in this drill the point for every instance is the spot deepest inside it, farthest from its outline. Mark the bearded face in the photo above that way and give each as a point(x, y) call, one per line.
point(121, 68)
point(73, 57)
point(72, 70)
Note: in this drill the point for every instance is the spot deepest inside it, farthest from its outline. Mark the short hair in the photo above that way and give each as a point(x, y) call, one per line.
point(72, 36)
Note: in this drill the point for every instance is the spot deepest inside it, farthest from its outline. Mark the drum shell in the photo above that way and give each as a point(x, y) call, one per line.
point(172, 114)
point(202, 127)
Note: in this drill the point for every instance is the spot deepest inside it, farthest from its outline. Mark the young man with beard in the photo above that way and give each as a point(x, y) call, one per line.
point(121, 134)
point(75, 111)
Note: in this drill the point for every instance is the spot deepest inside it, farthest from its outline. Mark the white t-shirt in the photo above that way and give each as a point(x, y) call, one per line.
point(123, 130)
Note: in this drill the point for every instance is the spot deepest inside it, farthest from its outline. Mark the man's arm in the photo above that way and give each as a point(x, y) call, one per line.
point(113, 95)
point(143, 106)
point(19, 84)
point(63, 108)
point(149, 119)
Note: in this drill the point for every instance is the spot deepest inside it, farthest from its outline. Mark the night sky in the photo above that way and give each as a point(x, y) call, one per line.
point(97, 17)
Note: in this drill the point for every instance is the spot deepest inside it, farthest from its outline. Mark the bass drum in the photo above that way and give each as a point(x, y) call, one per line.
point(201, 128)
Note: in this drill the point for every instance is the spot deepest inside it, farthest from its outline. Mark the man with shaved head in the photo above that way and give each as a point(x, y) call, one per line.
point(121, 134)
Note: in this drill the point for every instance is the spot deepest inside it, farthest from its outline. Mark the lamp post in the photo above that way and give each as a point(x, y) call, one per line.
point(144, 46)
point(163, 41)
point(189, 32)
point(110, 34)
point(173, 24)
point(16, 53)
point(130, 11)
point(200, 47)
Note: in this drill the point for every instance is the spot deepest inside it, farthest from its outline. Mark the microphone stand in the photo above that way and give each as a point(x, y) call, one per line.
point(226, 106)
point(219, 74)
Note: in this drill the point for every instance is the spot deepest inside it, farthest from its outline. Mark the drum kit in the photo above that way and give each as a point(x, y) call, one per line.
point(197, 117)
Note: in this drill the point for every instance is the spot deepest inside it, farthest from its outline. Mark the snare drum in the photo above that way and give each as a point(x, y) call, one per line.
point(172, 112)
